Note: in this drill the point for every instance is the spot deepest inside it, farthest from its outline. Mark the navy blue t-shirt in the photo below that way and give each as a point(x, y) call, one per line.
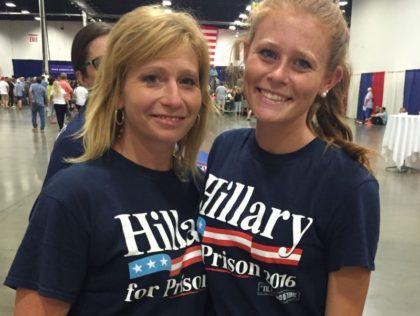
point(274, 226)
point(114, 238)
point(67, 145)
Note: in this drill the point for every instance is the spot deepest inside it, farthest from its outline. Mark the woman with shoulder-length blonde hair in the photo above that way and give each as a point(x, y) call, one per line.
point(57, 97)
point(295, 196)
point(115, 233)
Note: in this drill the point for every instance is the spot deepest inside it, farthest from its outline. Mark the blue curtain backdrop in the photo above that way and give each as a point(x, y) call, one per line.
point(365, 82)
point(412, 91)
point(27, 67)
point(32, 68)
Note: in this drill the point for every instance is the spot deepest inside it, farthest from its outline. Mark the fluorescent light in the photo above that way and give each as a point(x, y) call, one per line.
point(37, 18)
point(25, 12)
point(232, 27)
point(10, 4)
point(343, 3)
point(166, 3)
point(243, 16)
point(248, 8)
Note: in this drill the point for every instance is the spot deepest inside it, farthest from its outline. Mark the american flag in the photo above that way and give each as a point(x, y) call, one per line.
point(260, 252)
point(163, 262)
point(210, 33)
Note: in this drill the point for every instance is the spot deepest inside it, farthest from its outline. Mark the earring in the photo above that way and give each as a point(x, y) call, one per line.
point(119, 117)
point(324, 94)
point(119, 120)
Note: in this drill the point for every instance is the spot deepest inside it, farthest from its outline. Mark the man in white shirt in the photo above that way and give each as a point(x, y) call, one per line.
point(80, 95)
point(4, 93)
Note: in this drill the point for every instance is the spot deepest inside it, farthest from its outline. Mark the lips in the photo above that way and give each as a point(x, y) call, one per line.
point(169, 118)
point(272, 96)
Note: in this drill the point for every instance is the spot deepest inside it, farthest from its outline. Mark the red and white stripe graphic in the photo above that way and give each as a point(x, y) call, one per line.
point(210, 33)
point(260, 252)
point(191, 255)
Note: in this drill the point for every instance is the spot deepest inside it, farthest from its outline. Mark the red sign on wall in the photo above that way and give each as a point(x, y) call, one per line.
point(33, 38)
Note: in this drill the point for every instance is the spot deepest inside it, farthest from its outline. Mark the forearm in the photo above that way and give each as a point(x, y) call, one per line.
point(30, 303)
point(347, 291)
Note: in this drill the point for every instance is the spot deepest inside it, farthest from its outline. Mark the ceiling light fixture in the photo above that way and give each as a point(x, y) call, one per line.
point(232, 27)
point(25, 12)
point(248, 8)
point(166, 3)
point(243, 16)
point(37, 18)
point(343, 3)
point(10, 4)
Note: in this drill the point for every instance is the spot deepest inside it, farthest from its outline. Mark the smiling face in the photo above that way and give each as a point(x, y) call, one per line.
point(161, 99)
point(286, 68)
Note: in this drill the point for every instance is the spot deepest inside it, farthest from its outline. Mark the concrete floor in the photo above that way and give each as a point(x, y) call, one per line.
point(395, 285)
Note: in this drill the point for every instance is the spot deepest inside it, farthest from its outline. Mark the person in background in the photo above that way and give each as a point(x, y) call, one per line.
point(50, 105)
point(237, 99)
point(58, 98)
point(368, 105)
point(290, 211)
point(213, 78)
point(20, 92)
point(44, 81)
point(11, 82)
point(381, 117)
point(80, 95)
point(221, 95)
point(38, 99)
point(88, 47)
point(4, 92)
point(115, 233)
point(62, 80)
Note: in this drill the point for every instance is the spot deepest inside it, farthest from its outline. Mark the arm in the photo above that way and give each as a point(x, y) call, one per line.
point(29, 302)
point(347, 290)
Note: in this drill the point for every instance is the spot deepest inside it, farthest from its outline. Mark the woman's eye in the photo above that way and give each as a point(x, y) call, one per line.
point(267, 54)
point(303, 64)
point(150, 79)
point(189, 82)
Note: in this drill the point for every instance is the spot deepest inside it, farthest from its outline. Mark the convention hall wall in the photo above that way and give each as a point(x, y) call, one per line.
point(385, 35)
point(22, 40)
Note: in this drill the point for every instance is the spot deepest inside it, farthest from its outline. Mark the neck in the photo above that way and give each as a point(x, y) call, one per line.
point(147, 154)
point(282, 139)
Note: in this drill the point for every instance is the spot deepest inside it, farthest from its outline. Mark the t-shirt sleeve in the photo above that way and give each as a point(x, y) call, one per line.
point(52, 258)
point(355, 228)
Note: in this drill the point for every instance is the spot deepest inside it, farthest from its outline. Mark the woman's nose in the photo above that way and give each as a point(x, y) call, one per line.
point(172, 94)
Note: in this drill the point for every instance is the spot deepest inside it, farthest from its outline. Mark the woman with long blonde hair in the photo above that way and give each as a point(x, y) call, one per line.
point(115, 233)
point(291, 208)
point(58, 98)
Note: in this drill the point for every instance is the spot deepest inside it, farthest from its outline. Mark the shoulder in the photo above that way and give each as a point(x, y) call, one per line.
point(82, 178)
point(343, 170)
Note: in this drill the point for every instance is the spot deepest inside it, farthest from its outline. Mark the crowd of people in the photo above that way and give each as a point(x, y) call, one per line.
point(59, 98)
point(284, 222)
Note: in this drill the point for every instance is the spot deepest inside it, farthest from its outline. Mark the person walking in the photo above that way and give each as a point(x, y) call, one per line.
point(38, 99)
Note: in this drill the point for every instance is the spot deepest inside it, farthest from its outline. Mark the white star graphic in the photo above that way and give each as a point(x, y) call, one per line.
point(151, 264)
point(163, 261)
point(137, 268)
point(200, 224)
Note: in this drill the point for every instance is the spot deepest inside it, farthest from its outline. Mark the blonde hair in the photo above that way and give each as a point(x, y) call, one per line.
point(326, 117)
point(142, 35)
point(56, 90)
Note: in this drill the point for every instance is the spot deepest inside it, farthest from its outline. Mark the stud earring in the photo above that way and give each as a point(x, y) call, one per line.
point(324, 94)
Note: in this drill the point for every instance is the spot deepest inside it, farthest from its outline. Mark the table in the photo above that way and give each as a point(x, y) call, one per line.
point(402, 138)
